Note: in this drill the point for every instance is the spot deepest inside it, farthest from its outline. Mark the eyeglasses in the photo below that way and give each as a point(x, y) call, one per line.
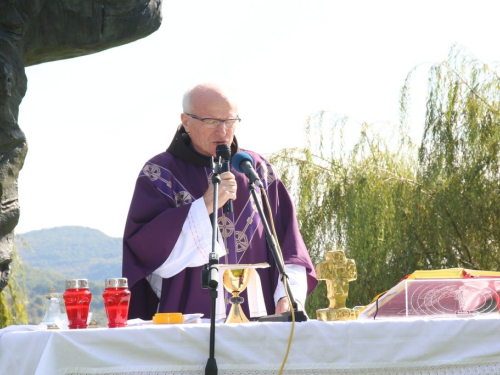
point(213, 123)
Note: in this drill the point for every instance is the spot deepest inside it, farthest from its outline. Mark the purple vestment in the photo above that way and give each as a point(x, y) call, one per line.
point(164, 192)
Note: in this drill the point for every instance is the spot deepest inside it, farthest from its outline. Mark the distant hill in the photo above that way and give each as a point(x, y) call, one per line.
point(50, 256)
point(77, 252)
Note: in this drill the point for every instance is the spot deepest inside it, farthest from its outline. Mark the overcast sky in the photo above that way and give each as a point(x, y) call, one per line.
point(92, 122)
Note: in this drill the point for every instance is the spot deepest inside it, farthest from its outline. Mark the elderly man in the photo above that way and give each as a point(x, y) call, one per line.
point(168, 234)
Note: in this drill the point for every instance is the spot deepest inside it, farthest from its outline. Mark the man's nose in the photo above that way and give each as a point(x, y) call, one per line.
point(221, 128)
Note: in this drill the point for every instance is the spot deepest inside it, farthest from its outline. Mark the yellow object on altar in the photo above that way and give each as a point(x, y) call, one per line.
point(451, 273)
point(337, 271)
point(168, 318)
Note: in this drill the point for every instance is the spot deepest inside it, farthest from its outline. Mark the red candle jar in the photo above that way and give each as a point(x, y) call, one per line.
point(77, 299)
point(116, 298)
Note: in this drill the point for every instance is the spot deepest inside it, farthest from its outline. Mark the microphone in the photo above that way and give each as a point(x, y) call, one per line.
point(243, 163)
point(224, 152)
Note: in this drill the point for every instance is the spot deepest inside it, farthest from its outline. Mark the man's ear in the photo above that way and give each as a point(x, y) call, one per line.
point(184, 120)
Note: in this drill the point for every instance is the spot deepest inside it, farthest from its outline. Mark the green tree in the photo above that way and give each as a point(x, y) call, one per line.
point(395, 207)
point(459, 165)
point(351, 198)
point(13, 297)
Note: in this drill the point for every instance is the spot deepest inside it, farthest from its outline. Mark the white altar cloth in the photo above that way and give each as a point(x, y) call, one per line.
point(434, 346)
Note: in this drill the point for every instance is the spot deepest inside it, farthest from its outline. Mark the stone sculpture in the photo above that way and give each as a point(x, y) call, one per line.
point(39, 31)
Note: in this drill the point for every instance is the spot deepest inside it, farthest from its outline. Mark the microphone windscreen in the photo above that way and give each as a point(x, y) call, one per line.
point(238, 158)
point(224, 151)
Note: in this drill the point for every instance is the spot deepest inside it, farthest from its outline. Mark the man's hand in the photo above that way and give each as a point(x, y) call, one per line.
point(282, 305)
point(227, 190)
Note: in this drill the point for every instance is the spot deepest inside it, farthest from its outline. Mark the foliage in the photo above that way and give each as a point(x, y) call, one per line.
point(13, 298)
point(39, 282)
point(459, 165)
point(350, 200)
point(394, 207)
point(54, 255)
point(78, 252)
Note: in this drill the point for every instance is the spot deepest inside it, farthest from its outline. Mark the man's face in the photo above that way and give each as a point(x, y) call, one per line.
point(210, 105)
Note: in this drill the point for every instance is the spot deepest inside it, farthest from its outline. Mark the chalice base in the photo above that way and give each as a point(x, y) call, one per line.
point(328, 315)
point(236, 315)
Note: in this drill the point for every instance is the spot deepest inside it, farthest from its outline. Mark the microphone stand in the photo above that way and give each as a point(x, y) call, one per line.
point(286, 316)
point(210, 272)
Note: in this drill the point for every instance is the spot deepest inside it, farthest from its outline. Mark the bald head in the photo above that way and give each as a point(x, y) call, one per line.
point(208, 101)
point(204, 95)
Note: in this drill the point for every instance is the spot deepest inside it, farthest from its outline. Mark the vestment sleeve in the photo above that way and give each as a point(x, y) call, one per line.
point(289, 237)
point(297, 278)
point(193, 244)
point(153, 226)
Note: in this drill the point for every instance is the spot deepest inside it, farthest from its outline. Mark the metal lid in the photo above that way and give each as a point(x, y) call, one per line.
point(52, 294)
point(77, 284)
point(120, 282)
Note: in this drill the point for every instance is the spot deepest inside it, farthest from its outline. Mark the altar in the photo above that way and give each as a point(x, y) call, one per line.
point(405, 346)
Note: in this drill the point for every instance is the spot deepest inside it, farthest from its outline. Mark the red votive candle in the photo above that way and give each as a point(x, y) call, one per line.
point(77, 299)
point(116, 298)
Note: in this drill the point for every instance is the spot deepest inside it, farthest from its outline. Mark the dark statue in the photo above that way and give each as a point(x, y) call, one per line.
point(39, 31)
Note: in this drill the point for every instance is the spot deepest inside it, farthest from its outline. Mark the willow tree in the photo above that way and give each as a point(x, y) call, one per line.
point(355, 198)
point(395, 207)
point(459, 165)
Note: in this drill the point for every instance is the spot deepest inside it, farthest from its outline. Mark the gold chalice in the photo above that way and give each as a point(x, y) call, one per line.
point(235, 281)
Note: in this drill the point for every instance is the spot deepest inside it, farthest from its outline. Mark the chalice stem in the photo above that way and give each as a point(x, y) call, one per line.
point(236, 314)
